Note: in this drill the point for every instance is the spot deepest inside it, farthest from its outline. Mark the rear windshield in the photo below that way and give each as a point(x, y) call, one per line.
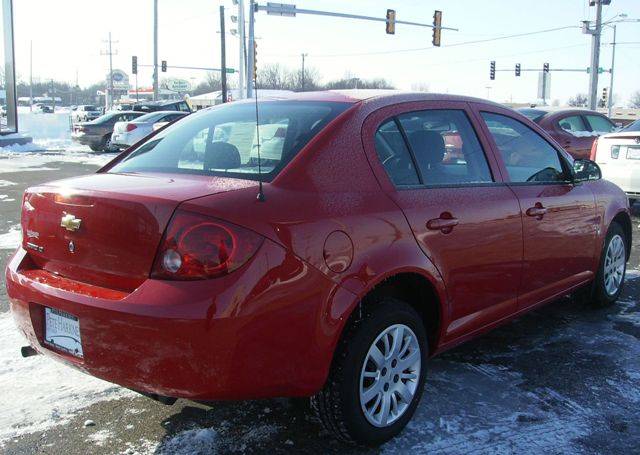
point(224, 140)
point(532, 114)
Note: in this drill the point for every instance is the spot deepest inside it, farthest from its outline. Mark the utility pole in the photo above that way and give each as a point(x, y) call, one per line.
point(613, 62)
point(252, 50)
point(241, 48)
point(223, 56)
point(155, 50)
point(108, 99)
point(31, 76)
point(302, 78)
point(595, 55)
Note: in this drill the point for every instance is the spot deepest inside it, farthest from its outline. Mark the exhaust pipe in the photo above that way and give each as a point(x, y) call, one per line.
point(28, 351)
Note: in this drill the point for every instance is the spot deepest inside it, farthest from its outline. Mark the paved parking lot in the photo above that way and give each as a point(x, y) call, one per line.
point(563, 379)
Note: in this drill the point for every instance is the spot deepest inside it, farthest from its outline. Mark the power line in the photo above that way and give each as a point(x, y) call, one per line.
point(462, 43)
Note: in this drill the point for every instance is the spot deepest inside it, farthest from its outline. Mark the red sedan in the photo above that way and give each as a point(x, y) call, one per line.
point(329, 252)
point(573, 129)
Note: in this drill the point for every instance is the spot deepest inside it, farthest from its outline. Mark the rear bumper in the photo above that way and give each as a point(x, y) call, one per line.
point(86, 139)
point(248, 335)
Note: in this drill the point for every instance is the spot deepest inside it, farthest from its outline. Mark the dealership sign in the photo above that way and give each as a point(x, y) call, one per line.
point(178, 85)
point(120, 80)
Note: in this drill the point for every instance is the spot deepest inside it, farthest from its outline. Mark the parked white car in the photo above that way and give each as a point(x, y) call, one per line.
point(618, 155)
point(125, 134)
point(85, 113)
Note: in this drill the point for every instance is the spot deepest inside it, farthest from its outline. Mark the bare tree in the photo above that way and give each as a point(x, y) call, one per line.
point(634, 101)
point(420, 86)
point(355, 82)
point(275, 77)
point(580, 100)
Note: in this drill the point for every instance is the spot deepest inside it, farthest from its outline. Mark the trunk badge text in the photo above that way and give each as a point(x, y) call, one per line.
point(70, 222)
point(72, 247)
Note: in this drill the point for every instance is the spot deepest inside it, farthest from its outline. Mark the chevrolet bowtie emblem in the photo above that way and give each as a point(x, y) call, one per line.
point(70, 222)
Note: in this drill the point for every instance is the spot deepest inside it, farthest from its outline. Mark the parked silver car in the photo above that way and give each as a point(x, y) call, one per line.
point(125, 134)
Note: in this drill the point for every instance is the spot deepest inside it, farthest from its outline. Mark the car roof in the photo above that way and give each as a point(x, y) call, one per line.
point(386, 96)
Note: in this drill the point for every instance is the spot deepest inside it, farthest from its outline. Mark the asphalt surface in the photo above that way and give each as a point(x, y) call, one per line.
point(562, 379)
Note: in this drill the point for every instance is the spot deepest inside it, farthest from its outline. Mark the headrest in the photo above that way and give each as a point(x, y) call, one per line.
point(428, 146)
point(221, 155)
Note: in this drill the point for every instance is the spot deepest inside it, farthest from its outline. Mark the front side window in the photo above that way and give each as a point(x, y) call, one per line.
point(527, 156)
point(224, 141)
point(445, 147)
point(574, 125)
point(394, 155)
point(600, 124)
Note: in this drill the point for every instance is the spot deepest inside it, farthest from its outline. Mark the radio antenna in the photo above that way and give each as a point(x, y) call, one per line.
point(255, 94)
point(252, 47)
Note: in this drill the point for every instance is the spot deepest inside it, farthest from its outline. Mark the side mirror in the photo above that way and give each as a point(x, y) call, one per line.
point(584, 170)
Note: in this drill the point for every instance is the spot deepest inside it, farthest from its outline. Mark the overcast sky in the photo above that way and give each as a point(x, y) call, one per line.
point(68, 35)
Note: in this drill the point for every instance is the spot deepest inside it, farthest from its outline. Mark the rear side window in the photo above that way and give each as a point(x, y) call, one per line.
point(224, 140)
point(574, 125)
point(527, 156)
point(394, 155)
point(600, 124)
point(445, 147)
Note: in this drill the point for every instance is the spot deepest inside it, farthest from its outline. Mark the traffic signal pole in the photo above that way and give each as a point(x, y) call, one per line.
point(251, 61)
point(155, 50)
point(223, 56)
point(595, 56)
point(613, 62)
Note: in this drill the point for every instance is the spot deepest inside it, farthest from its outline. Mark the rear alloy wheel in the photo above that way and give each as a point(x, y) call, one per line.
point(613, 263)
point(377, 375)
point(107, 147)
point(388, 380)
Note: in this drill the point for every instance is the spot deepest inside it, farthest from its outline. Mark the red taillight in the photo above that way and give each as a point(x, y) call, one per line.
point(594, 150)
point(197, 247)
point(130, 127)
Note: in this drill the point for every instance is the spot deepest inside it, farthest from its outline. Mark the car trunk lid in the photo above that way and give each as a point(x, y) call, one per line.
point(104, 229)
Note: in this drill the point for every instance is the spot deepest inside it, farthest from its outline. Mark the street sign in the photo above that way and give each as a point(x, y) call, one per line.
point(230, 70)
point(178, 85)
point(281, 9)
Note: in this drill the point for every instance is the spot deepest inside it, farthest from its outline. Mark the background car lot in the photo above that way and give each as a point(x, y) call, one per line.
point(537, 385)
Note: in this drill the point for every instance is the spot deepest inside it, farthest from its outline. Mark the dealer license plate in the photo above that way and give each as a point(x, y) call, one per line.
point(62, 331)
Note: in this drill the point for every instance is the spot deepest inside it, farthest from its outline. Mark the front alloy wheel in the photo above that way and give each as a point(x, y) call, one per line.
point(614, 265)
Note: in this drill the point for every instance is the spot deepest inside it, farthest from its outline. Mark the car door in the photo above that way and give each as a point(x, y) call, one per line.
point(558, 216)
point(464, 218)
point(575, 136)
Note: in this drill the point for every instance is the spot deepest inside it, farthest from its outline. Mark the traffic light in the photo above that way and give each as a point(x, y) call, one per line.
point(255, 61)
point(492, 71)
point(391, 22)
point(545, 67)
point(517, 69)
point(164, 66)
point(605, 95)
point(134, 64)
point(437, 23)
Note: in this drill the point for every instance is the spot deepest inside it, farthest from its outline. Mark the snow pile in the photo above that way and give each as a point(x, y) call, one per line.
point(11, 240)
point(50, 131)
point(40, 393)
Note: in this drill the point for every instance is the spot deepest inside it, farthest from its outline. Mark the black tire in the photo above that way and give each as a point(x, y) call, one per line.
point(631, 202)
point(96, 147)
point(600, 296)
point(338, 403)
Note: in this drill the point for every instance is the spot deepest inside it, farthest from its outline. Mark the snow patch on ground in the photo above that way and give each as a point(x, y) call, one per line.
point(31, 147)
point(21, 162)
point(196, 441)
point(100, 437)
point(5, 183)
point(38, 392)
point(11, 240)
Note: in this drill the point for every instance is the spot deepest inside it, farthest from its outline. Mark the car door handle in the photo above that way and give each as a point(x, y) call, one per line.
point(538, 211)
point(445, 223)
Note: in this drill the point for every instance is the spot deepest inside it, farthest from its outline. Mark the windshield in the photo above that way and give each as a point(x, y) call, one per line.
point(635, 126)
point(224, 140)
